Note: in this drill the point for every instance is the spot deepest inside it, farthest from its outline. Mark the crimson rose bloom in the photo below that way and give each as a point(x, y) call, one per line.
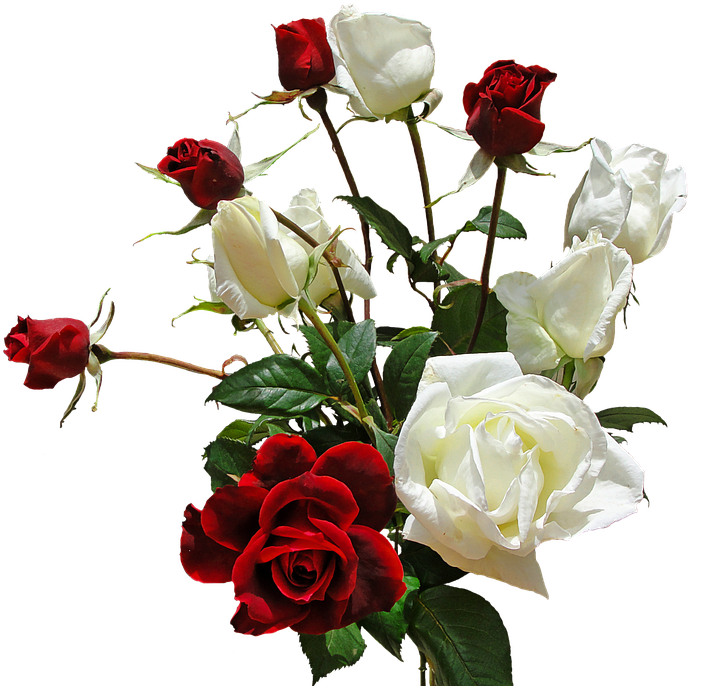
point(55, 349)
point(207, 171)
point(304, 55)
point(300, 538)
point(503, 109)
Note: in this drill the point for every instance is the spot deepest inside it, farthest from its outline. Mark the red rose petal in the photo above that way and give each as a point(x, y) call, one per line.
point(379, 584)
point(230, 516)
point(202, 558)
point(280, 457)
point(363, 469)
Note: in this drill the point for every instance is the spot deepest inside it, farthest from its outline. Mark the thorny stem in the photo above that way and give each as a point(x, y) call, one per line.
point(268, 334)
point(422, 669)
point(489, 251)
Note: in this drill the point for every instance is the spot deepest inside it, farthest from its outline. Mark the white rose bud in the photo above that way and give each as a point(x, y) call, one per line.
point(568, 311)
point(491, 463)
point(383, 62)
point(629, 196)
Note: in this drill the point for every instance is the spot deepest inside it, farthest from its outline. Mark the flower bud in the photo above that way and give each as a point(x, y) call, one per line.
point(304, 54)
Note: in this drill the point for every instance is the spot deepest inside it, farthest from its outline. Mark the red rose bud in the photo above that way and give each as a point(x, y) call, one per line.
point(304, 55)
point(55, 349)
point(503, 109)
point(207, 171)
point(299, 536)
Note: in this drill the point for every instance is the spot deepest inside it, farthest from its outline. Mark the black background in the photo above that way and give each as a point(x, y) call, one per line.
point(106, 491)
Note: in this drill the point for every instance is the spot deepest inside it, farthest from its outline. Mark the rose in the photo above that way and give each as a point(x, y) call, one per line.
point(503, 109)
point(568, 311)
point(55, 349)
point(383, 62)
point(629, 197)
point(261, 269)
point(299, 537)
point(305, 211)
point(206, 170)
point(304, 54)
point(491, 463)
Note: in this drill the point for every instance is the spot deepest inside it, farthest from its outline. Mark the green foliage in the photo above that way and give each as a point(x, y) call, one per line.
point(320, 352)
point(324, 437)
point(427, 565)
point(455, 320)
point(200, 219)
point(624, 418)
point(205, 306)
point(507, 225)
point(332, 650)
point(385, 444)
point(462, 636)
point(225, 458)
point(358, 347)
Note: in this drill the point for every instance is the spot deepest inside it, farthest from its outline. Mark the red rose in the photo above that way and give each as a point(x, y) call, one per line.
point(207, 171)
point(300, 538)
point(503, 109)
point(55, 349)
point(304, 55)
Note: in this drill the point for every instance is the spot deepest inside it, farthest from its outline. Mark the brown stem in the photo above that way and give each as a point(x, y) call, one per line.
point(489, 251)
point(105, 355)
point(423, 174)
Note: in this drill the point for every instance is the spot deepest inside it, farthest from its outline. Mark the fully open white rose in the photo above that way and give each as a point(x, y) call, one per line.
point(568, 311)
point(305, 211)
point(383, 62)
point(490, 463)
point(629, 196)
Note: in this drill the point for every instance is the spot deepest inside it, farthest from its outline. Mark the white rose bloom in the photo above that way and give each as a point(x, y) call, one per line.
point(629, 196)
point(383, 62)
point(490, 463)
point(261, 269)
point(305, 211)
point(568, 311)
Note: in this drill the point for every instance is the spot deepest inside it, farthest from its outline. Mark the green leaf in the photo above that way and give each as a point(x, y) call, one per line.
point(205, 306)
point(507, 225)
point(227, 458)
point(392, 232)
point(251, 171)
point(200, 219)
point(385, 443)
point(456, 317)
point(358, 347)
point(159, 175)
point(403, 370)
point(427, 565)
point(325, 437)
point(320, 352)
point(332, 650)
point(389, 628)
point(462, 636)
point(278, 385)
point(624, 418)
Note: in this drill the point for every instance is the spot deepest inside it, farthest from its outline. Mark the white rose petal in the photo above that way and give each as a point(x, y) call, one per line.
point(630, 197)
point(489, 476)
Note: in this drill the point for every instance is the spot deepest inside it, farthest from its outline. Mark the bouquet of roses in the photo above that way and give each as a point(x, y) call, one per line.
point(361, 486)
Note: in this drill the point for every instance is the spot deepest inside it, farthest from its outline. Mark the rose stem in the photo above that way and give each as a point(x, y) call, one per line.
point(311, 313)
point(423, 174)
point(568, 375)
point(105, 355)
point(317, 101)
point(422, 669)
point(489, 251)
point(268, 334)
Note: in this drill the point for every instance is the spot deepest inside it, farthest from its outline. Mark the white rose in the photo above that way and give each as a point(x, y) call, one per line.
point(258, 268)
point(305, 211)
point(261, 269)
point(383, 62)
point(568, 311)
point(491, 463)
point(629, 197)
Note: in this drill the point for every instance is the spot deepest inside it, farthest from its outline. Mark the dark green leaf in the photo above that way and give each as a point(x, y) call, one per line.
point(422, 272)
point(389, 628)
point(507, 226)
point(392, 232)
point(358, 347)
point(429, 248)
point(226, 458)
point(403, 370)
point(624, 418)
point(325, 437)
point(462, 636)
point(278, 385)
point(332, 650)
point(320, 352)
point(455, 320)
point(427, 565)
point(385, 444)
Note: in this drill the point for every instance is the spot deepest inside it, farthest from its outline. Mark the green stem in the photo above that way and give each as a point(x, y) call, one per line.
point(268, 334)
point(311, 313)
point(422, 670)
point(568, 375)
point(489, 251)
point(423, 174)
